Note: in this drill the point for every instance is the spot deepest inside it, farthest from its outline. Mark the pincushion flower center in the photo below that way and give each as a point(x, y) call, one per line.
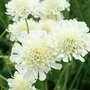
point(37, 54)
point(21, 85)
point(70, 42)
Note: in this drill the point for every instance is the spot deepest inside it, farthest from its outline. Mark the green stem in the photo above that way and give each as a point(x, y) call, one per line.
point(27, 25)
point(78, 83)
point(3, 87)
point(2, 34)
point(8, 68)
point(1, 84)
point(3, 22)
point(4, 56)
point(60, 77)
point(3, 78)
point(45, 85)
point(66, 79)
point(78, 72)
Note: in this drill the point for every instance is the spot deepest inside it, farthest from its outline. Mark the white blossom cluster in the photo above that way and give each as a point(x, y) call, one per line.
point(41, 45)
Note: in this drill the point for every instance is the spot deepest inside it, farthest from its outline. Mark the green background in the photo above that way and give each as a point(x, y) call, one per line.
point(79, 73)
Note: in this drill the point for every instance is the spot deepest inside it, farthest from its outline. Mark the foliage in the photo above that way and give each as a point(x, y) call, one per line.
point(79, 73)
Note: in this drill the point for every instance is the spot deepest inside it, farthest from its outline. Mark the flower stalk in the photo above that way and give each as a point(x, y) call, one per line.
point(60, 77)
point(45, 85)
point(3, 78)
point(27, 25)
point(2, 34)
point(66, 79)
point(79, 70)
point(4, 56)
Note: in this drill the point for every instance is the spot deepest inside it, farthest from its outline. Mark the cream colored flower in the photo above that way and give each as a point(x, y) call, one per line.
point(56, 5)
point(47, 24)
point(18, 83)
point(16, 28)
point(22, 8)
point(53, 16)
point(53, 8)
point(70, 38)
point(34, 55)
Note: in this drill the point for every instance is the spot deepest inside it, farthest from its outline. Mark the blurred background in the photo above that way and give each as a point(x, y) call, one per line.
point(79, 73)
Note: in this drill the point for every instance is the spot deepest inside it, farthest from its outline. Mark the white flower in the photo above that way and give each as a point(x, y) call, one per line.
point(22, 8)
point(52, 8)
point(56, 5)
point(71, 38)
point(53, 16)
point(47, 24)
point(33, 55)
point(16, 28)
point(18, 83)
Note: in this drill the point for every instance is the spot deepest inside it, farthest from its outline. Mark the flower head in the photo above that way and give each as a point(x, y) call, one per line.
point(71, 38)
point(47, 24)
point(52, 8)
point(18, 83)
point(53, 16)
point(16, 28)
point(56, 5)
point(22, 8)
point(34, 55)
